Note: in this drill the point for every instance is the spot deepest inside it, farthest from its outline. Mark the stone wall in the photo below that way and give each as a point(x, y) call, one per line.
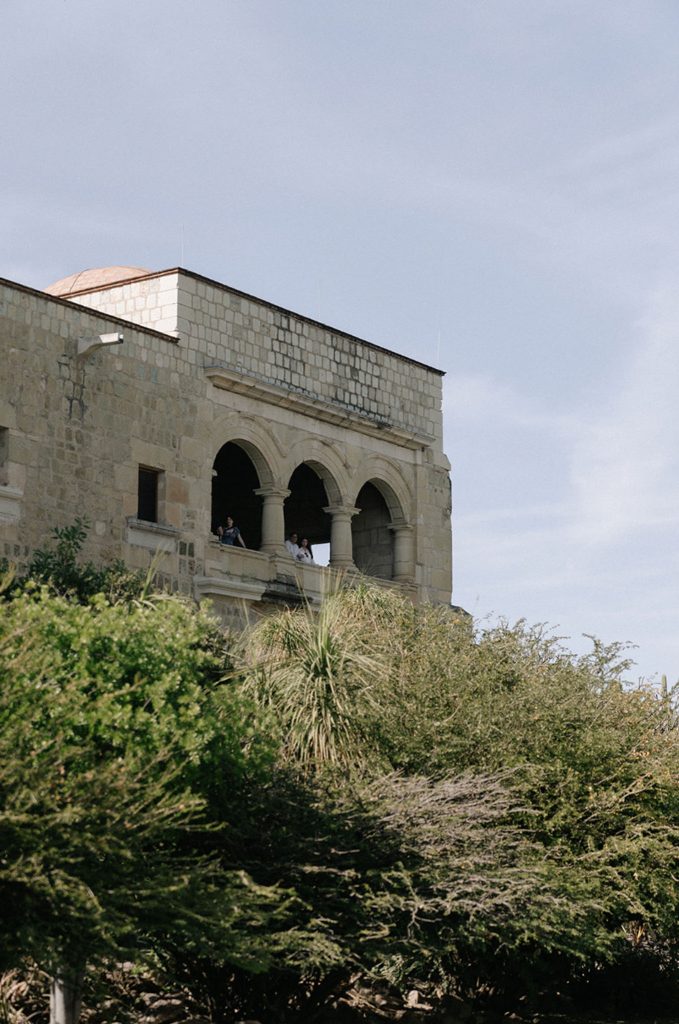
point(77, 430)
point(224, 327)
point(201, 365)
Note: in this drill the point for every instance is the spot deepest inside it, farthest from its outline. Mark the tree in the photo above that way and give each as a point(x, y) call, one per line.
point(377, 793)
point(114, 730)
point(374, 696)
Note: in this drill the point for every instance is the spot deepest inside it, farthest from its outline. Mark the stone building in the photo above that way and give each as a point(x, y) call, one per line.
point(155, 404)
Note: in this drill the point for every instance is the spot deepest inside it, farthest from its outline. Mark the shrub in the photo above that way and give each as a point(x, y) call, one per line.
point(115, 732)
point(587, 766)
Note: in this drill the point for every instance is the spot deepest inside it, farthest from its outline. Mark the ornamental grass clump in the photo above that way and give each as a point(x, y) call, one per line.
point(321, 674)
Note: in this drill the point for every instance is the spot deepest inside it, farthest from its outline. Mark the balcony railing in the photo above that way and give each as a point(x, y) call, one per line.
point(236, 572)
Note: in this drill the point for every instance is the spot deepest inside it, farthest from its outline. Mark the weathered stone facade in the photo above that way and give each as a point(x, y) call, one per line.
point(218, 402)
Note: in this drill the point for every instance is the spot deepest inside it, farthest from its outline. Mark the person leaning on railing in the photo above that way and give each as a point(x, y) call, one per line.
point(230, 534)
point(292, 545)
point(304, 552)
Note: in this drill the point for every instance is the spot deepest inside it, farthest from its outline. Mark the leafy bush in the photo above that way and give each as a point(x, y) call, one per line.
point(115, 732)
point(59, 568)
point(373, 793)
point(582, 856)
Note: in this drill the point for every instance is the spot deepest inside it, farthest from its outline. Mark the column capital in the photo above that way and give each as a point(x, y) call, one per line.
point(342, 511)
point(272, 492)
point(400, 526)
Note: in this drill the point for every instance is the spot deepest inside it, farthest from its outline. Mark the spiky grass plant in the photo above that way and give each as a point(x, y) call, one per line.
point(322, 673)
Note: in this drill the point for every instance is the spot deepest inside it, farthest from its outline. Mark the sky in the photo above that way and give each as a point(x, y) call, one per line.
point(489, 186)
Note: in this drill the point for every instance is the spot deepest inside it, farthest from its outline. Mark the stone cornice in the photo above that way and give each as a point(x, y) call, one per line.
point(156, 536)
point(214, 586)
point(307, 404)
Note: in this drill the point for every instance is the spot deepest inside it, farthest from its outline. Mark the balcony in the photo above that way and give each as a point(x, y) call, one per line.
point(235, 572)
point(238, 573)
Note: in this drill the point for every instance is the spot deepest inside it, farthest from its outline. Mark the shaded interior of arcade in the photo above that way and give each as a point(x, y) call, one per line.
point(360, 535)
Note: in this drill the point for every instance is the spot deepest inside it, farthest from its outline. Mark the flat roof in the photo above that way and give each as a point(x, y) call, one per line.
point(252, 298)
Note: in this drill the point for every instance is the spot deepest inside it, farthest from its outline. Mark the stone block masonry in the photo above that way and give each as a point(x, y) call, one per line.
point(221, 399)
point(226, 327)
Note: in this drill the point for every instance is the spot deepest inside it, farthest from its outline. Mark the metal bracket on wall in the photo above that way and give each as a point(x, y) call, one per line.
point(88, 346)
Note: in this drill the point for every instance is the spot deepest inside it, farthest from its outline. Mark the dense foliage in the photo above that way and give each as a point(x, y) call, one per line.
point(370, 795)
point(559, 862)
point(117, 741)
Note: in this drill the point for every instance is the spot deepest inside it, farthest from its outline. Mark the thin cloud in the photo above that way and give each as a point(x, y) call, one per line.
point(624, 468)
point(479, 397)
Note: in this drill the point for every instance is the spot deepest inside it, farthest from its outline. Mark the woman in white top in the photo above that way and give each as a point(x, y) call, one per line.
point(304, 552)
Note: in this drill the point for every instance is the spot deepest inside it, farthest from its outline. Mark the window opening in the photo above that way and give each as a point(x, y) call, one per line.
point(234, 482)
point(304, 513)
point(147, 494)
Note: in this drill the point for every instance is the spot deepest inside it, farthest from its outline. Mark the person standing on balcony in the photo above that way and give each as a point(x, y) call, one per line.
point(230, 534)
point(292, 545)
point(304, 552)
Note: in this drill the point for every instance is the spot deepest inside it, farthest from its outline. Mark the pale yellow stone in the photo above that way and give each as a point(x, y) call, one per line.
point(286, 390)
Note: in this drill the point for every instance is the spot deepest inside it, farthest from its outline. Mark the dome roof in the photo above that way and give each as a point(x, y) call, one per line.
point(93, 280)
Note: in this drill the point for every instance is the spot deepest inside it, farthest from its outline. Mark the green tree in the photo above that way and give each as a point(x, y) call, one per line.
point(379, 792)
point(115, 731)
point(582, 859)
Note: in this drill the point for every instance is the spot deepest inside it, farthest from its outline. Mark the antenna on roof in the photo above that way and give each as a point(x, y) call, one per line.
point(181, 249)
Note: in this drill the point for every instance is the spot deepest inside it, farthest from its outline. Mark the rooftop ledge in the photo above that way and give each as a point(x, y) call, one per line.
point(308, 404)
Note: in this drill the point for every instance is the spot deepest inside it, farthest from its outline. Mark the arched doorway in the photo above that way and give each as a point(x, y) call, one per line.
point(234, 482)
point(304, 506)
point(372, 540)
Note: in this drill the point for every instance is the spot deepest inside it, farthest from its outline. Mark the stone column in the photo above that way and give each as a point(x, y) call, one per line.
point(341, 547)
point(273, 520)
point(404, 569)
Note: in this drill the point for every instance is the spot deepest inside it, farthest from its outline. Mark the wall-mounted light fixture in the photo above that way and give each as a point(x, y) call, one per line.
point(87, 346)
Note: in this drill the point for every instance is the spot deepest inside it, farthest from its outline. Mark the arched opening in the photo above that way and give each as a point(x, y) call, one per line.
point(373, 541)
point(304, 513)
point(234, 481)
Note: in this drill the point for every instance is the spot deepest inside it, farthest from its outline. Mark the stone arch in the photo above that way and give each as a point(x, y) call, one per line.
point(389, 481)
point(312, 490)
point(241, 466)
point(317, 480)
point(384, 505)
point(257, 441)
point(326, 462)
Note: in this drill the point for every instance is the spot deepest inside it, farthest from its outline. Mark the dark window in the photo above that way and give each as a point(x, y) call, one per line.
point(148, 495)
